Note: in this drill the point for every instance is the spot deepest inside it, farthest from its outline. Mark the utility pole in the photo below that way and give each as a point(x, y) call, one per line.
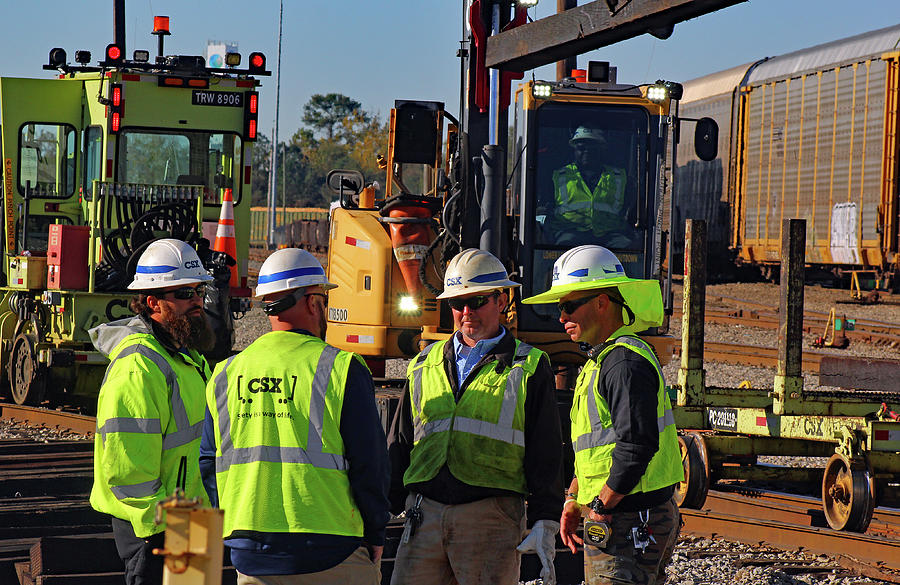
point(273, 167)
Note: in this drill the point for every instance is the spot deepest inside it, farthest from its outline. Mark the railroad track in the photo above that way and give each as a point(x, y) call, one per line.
point(796, 523)
point(51, 419)
point(44, 490)
point(753, 355)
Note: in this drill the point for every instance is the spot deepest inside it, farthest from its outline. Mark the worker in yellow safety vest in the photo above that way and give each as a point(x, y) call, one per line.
point(475, 436)
point(293, 450)
point(627, 459)
point(589, 194)
point(150, 408)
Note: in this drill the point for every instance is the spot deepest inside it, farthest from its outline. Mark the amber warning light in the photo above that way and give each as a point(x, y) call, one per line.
point(160, 24)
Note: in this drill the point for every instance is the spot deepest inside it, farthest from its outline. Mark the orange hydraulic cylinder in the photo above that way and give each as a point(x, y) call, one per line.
point(410, 242)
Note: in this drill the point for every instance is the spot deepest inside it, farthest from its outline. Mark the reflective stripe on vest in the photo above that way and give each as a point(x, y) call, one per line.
point(184, 434)
point(607, 436)
point(502, 430)
point(611, 201)
point(312, 455)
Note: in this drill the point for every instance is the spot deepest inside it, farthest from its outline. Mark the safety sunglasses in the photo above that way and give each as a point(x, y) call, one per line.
point(323, 295)
point(570, 307)
point(187, 292)
point(474, 303)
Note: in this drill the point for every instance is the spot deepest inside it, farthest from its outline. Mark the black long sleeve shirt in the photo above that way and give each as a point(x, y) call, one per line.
point(259, 553)
point(543, 443)
point(629, 384)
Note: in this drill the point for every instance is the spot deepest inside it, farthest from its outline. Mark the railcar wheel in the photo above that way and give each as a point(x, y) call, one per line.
point(27, 378)
point(691, 493)
point(848, 494)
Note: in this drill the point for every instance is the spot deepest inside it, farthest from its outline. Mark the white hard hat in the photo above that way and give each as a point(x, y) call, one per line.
point(585, 133)
point(594, 267)
point(472, 271)
point(290, 268)
point(168, 262)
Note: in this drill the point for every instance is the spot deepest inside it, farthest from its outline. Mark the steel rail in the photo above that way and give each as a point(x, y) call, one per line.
point(51, 419)
point(876, 550)
point(753, 355)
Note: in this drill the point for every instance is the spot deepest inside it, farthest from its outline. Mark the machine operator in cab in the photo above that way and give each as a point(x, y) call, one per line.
point(150, 408)
point(589, 194)
point(475, 436)
point(627, 460)
point(293, 450)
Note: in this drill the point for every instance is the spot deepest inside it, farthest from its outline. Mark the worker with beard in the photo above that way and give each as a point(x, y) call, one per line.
point(475, 437)
point(293, 451)
point(151, 405)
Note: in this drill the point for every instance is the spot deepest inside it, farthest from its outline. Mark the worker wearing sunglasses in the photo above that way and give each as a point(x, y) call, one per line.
point(484, 439)
point(301, 417)
point(627, 459)
point(152, 403)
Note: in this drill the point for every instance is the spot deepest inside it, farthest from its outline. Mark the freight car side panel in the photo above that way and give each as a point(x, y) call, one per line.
point(811, 149)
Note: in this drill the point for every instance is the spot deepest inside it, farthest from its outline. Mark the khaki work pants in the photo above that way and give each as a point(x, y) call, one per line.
point(357, 568)
point(465, 544)
point(619, 563)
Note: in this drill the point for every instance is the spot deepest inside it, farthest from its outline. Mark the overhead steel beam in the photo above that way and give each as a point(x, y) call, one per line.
point(588, 27)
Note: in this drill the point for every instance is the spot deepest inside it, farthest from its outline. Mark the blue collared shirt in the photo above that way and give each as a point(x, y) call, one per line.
point(467, 357)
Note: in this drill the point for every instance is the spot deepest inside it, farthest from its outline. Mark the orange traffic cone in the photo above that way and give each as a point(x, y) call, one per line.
point(225, 234)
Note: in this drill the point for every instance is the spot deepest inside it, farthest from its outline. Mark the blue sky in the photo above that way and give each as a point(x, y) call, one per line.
point(377, 51)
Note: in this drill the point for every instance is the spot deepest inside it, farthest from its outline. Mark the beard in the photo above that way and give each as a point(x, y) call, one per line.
point(323, 323)
point(191, 331)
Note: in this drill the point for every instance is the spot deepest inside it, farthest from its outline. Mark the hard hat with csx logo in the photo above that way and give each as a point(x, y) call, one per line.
point(474, 271)
point(594, 267)
point(166, 263)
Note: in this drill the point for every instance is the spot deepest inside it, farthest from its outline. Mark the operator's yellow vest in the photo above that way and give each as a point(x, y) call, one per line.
point(482, 437)
point(280, 464)
point(593, 437)
point(599, 209)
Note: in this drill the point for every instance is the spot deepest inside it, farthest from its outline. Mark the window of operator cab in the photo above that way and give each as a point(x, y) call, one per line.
point(163, 157)
point(590, 163)
point(46, 160)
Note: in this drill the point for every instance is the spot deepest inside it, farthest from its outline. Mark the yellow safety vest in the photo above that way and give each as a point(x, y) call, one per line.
point(481, 438)
point(593, 436)
point(149, 415)
point(280, 464)
point(598, 209)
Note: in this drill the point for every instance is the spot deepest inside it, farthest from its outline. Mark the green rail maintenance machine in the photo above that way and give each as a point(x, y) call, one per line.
point(96, 164)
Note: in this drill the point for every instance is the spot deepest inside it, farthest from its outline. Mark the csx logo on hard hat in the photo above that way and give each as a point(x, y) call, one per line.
point(456, 280)
point(192, 264)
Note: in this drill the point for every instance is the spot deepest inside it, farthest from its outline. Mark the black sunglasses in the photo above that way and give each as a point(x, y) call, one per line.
point(187, 292)
point(570, 307)
point(323, 295)
point(474, 303)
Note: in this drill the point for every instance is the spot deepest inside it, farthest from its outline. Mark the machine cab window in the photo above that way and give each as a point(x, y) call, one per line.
point(588, 164)
point(46, 160)
point(156, 157)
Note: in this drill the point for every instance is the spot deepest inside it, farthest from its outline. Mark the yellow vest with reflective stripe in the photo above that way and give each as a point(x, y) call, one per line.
point(599, 209)
point(593, 436)
point(150, 414)
point(280, 463)
point(481, 438)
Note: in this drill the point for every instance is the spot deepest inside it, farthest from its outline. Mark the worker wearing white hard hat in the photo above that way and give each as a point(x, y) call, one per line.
point(627, 459)
point(151, 402)
point(291, 410)
point(589, 193)
point(475, 436)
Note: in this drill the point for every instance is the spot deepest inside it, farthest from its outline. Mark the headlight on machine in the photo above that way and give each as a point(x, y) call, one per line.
point(408, 304)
